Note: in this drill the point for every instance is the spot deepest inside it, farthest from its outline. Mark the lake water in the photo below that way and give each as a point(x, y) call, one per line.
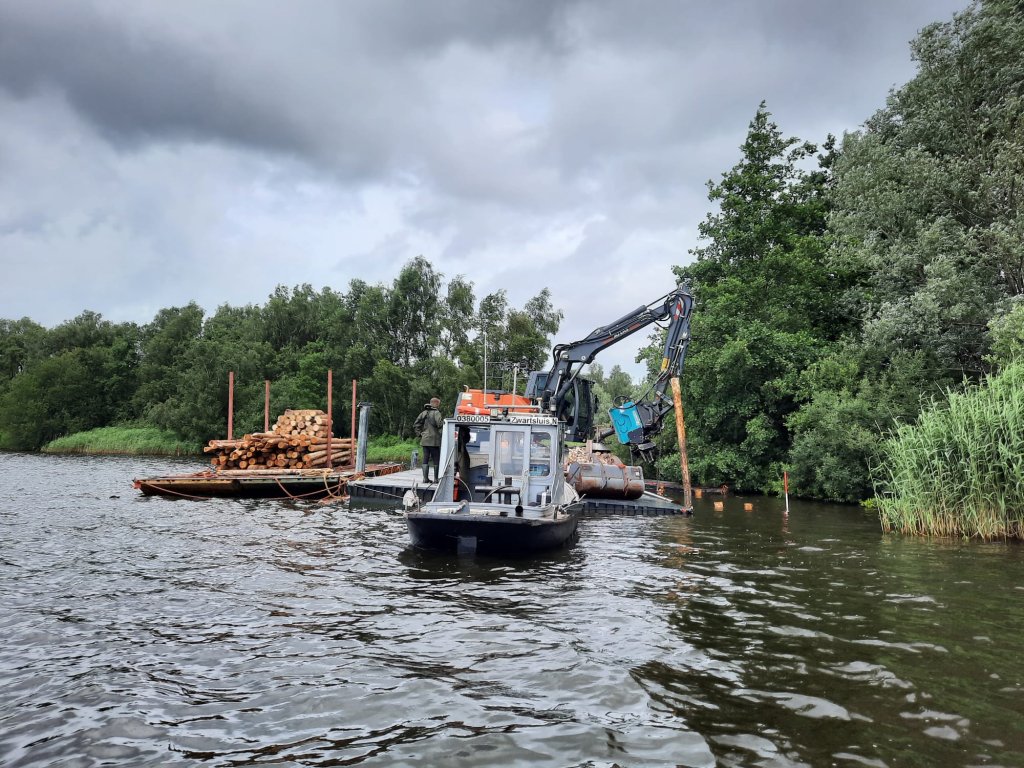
point(147, 631)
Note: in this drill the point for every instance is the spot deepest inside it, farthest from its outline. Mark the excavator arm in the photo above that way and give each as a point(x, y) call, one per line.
point(562, 392)
point(635, 423)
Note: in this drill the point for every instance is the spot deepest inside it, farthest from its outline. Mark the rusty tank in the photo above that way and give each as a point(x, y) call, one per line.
point(597, 473)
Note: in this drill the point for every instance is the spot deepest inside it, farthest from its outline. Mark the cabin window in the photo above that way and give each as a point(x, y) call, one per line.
point(510, 452)
point(473, 458)
point(540, 455)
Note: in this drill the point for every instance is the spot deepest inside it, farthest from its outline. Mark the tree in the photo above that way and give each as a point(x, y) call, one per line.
point(766, 307)
point(84, 376)
point(927, 197)
point(413, 314)
point(165, 343)
point(21, 343)
point(457, 320)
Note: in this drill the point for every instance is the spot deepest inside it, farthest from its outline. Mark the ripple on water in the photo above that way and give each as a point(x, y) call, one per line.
point(145, 631)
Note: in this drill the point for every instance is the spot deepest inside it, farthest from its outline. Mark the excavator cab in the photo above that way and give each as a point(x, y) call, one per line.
point(576, 408)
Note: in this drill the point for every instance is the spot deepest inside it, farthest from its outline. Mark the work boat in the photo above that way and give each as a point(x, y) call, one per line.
point(501, 489)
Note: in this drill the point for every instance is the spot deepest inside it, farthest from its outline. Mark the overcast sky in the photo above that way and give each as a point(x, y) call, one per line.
point(157, 153)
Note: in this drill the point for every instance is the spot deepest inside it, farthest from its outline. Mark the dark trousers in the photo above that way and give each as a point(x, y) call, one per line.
point(431, 456)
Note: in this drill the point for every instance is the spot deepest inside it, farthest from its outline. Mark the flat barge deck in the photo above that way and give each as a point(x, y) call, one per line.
point(389, 490)
point(261, 483)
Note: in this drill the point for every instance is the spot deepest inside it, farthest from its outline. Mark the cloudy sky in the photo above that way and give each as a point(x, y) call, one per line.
point(157, 153)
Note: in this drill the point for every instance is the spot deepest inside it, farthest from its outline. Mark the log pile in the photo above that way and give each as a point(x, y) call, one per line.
point(297, 441)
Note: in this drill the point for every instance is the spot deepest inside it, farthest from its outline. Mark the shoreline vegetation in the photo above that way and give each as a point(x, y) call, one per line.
point(124, 441)
point(151, 441)
point(959, 470)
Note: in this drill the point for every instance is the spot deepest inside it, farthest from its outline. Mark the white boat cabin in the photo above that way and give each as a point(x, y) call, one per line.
point(511, 459)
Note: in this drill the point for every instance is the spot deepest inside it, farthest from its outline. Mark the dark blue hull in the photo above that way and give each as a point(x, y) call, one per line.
point(491, 533)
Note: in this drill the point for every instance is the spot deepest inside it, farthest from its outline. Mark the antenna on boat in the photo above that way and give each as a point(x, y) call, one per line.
point(485, 366)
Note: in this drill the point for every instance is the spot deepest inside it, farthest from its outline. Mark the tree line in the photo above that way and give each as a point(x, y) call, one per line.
point(840, 288)
point(404, 343)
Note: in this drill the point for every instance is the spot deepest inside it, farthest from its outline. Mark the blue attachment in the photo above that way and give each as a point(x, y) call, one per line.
point(625, 419)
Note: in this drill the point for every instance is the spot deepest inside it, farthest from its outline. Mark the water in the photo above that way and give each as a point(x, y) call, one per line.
point(147, 631)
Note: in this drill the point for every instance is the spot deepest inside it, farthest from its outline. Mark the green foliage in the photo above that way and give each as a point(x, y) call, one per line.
point(164, 342)
point(959, 470)
point(927, 197)
point(835, 438)
point(413, 316)
point(82, 375)
point(21, 342)
point(1007, 336)
point(766, 308)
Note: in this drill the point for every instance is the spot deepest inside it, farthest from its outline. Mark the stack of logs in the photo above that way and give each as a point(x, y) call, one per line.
point(298, 441)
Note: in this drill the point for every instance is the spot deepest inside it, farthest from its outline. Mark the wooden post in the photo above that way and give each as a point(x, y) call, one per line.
point(231, 402)
point(353, 423)
point(266, 405)
point(330, 415)
point(684, 462)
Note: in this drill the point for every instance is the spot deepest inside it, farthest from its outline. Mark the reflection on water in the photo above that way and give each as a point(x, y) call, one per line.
point(148, 631)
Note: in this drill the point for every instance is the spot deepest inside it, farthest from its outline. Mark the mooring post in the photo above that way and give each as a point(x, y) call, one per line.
point(684, 462)
point(364, 429)
point(785, 488)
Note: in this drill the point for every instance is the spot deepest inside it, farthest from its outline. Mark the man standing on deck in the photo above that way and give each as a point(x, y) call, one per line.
point(428, 427)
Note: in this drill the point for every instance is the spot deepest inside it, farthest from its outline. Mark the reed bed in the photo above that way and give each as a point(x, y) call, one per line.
point(133, 441)
point(959, 470)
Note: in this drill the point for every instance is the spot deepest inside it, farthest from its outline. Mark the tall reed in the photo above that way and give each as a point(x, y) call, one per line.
point(959, 470)
point(123, 440)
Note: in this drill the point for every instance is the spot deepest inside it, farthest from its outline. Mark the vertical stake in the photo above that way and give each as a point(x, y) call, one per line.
point(684, 461)
point(353, 443)
point(231, 403)
point(330, 416)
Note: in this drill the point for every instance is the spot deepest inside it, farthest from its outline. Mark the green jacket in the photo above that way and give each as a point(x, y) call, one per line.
point(428, 425)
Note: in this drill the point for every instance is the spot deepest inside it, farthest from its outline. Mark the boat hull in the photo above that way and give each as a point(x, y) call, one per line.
point(491, 533)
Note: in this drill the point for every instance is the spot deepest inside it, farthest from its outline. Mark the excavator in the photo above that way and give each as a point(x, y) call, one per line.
point(563, 393)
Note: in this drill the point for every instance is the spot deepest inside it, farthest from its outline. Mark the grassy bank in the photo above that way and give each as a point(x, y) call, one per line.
point(959, 471)
point(135, 441)
point(391, 448)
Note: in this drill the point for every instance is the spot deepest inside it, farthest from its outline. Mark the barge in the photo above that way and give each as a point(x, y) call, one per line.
point(300, 484)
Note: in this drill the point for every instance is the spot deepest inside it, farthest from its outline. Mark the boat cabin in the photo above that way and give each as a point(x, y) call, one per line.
point(505, 458)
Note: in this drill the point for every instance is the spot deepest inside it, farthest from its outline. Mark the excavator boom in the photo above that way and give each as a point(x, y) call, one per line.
point(564, 393)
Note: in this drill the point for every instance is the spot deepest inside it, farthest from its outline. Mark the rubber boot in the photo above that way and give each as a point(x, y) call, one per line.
point(426, 473)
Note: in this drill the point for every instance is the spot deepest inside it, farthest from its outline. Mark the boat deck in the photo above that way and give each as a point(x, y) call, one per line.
point(389, 489)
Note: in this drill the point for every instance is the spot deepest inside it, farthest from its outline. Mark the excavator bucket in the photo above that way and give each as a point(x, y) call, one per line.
point(597, 480)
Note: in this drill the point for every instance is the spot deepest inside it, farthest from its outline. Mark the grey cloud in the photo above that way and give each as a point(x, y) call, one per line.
point(134, 87)
point(212, 150)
